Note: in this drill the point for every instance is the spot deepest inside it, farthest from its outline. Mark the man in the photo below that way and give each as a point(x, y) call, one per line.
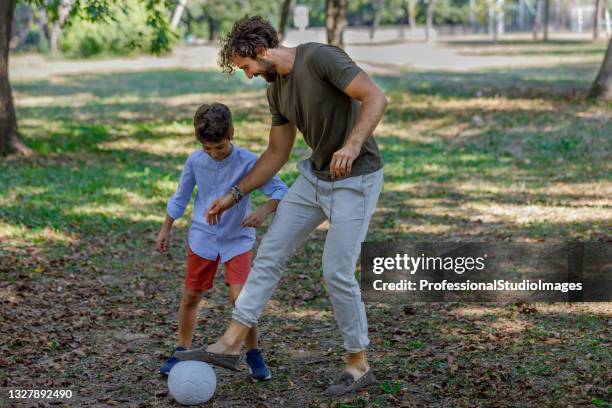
point(318, 89)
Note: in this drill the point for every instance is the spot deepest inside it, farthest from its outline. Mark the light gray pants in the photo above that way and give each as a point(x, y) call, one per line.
point(348, 204)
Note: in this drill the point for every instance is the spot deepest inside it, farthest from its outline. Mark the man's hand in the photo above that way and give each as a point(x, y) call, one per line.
point(162, 241)
point(213, 213)
point(342, 160)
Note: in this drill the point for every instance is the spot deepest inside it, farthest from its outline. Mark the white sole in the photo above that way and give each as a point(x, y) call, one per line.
point(258, 379)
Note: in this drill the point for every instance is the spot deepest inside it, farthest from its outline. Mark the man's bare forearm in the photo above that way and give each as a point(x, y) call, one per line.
point(372, 110)
point(268, 164)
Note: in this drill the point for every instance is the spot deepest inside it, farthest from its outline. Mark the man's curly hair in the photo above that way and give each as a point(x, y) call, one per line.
point(249, 35)
point(212, 122)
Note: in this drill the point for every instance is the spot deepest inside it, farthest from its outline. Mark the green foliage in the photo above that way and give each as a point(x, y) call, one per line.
point(93, 27)
point(451, 12)
point(202, 16)
point(390, 387)
point(126, 29)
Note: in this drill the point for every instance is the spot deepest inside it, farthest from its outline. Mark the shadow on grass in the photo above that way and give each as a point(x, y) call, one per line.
point(142, 84)
point(549, 83)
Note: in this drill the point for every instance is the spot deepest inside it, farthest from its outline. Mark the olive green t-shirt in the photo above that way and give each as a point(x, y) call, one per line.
point(311, 97)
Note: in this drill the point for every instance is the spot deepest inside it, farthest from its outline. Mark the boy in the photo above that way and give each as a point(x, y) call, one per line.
point(215, 169)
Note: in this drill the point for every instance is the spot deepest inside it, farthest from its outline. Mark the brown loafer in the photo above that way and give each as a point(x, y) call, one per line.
point(229, 361)
point(345, 383)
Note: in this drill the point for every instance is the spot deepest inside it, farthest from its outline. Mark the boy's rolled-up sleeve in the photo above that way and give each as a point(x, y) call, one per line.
point(275, 189)
point(179, 200)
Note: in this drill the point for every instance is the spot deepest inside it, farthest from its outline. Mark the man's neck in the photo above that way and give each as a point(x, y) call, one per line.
point(283, 58)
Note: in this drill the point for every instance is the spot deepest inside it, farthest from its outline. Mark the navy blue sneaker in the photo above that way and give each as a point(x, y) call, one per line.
point(257, 365)
point(171, 362)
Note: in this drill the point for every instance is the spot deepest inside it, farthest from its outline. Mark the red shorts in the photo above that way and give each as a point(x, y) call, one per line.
point(201, 272)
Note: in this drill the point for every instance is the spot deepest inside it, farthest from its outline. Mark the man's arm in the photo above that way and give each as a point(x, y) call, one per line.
point(273, 158)
point(373, 104)
point(269, 163)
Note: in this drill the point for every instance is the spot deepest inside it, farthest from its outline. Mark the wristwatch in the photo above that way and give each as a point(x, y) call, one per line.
point(236, 193)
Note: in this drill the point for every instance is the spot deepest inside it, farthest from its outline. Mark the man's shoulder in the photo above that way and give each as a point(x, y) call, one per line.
point(310, 50)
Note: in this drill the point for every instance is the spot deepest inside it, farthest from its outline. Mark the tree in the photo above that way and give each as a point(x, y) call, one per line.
point(378, 9)
point(284, 18)
point(602, 87)
point(94, 10)
point(63, 12)
point(178, 13)
point(335, 21)
point(597, 19)
point(546, 18)
point(9, 137)
point(429, 22)
point(411, 9)
point(22, 25)
point(537, 19)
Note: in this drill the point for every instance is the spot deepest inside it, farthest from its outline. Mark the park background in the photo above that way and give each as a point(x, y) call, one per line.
point(494, 132)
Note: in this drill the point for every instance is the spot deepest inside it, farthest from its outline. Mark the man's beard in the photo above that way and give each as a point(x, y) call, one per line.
point(269, 73)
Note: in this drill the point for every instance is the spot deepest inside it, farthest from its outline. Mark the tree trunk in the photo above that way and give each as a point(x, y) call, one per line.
point(537, 19)
point(62, 14)
point(473, 19)
point(500, 17)
point(597, 20)
point(412, 14)
point(178, 13)
point(602, 87)
point(212, 29)
point(546, 18)
point(24, 25)
point(56, 31)
point(9, 137)
point(378, 6)
point(284, 17)
point(43, 27)
point(492, 20)
point(335, 21)
point(429, 22)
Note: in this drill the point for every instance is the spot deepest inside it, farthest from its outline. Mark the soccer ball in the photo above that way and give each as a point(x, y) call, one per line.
point(192, 382)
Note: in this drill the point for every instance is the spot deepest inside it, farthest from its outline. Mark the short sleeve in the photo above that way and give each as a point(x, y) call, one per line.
point(335, 66)
point(277, 118)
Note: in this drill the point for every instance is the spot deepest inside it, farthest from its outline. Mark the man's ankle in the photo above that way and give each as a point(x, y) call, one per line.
point(361, 366)
point(229, 345)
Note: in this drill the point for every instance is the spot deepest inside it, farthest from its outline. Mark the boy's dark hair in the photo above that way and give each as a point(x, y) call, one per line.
point(212, 122)
point(249, 35)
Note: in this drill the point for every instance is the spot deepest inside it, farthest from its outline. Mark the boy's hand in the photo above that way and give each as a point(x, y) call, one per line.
point(255, 218)
point(213, 213)
point(163, 238)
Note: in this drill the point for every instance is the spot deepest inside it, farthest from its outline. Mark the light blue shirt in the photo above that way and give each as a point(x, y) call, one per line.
point(214, 179)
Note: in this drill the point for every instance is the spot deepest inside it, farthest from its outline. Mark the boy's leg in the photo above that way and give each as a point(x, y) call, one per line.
point(187, 316)
point(199, 278)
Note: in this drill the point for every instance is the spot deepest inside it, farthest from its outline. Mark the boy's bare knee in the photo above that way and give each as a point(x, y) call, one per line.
point(234, 292)
point(192, 297)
